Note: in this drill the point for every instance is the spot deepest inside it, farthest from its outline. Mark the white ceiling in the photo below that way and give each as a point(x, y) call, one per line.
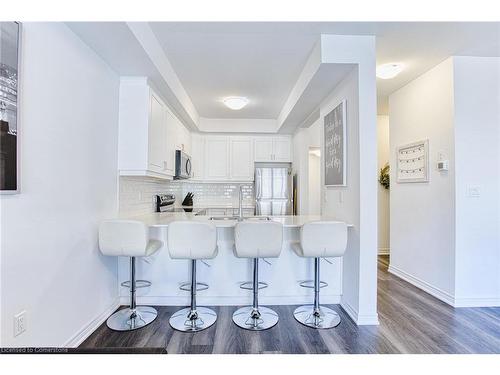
point(263, 60)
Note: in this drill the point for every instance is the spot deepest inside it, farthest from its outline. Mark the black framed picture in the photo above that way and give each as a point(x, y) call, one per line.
point(10, 40)
point(335, 134)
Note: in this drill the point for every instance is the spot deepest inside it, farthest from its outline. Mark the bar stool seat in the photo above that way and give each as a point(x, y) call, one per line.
point(257, 240)
point(129, 238)
point(194, 241)
point(319, 239)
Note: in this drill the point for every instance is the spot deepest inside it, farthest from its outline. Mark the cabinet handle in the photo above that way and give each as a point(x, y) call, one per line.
point(165, 165)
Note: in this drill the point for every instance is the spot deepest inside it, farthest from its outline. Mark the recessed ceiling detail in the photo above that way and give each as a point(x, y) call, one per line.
point(208, 61)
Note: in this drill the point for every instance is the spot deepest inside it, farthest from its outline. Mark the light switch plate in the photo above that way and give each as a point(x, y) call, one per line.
point(474, 191)
point(19, 323)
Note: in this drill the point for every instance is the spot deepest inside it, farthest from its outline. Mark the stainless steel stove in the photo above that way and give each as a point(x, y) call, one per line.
point(165, 203)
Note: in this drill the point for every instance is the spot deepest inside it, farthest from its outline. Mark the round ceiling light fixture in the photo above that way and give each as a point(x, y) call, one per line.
point(235, 102)
point(388, 71)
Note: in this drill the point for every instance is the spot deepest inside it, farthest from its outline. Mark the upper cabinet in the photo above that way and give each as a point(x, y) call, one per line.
point(241, 158)
point(198, 157)
point(263, 148)
point(217, 158)
point(273, 149)
point(148, 132)
point(157, 136)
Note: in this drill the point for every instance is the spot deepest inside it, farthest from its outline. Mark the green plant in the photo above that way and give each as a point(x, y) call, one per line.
point(384, 177)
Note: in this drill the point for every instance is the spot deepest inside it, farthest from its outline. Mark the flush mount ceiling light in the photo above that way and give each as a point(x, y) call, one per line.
point(235, 102)
point(388, 71)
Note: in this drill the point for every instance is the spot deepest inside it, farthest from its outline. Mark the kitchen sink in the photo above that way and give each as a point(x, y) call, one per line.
point(264, 218)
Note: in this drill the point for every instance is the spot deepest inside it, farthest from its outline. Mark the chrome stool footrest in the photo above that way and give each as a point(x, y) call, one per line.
point(187, 286)
point(310, 284)
point(248, 285)
point(138, 284)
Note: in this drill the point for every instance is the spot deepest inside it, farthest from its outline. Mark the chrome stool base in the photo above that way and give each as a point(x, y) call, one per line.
point(327, 318)
point(126, 320)
point(243, 318)
point(181, 322)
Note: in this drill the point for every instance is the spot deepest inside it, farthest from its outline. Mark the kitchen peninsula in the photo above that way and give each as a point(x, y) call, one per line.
point(225, 272)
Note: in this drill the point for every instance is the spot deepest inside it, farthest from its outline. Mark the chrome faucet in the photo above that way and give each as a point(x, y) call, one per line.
point(240, 209)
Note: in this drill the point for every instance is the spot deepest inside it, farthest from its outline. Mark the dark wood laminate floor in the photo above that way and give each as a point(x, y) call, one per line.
point(411, 321)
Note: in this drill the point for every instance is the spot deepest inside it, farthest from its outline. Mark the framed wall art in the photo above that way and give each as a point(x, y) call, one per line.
point(10, 38)
point(413, 162)
point(335, 146)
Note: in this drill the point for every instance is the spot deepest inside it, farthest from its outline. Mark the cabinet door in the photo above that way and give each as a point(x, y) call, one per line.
point(241, 160)
point(217, 158)
point(263, 149)
point(170, 147)
point(198, 157)
point(157, 148)
point(282, 149)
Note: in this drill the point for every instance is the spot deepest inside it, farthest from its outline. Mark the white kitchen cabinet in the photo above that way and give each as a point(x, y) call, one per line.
point(182, 137)
point(282, 149)
point(198, 157)
point(273, 149)
point(144, 140)
point(263, 149)
point(241, 159)
point(217, 158)
point(157, 136)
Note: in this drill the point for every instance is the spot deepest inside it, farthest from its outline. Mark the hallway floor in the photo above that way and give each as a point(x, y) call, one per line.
point(411, 321)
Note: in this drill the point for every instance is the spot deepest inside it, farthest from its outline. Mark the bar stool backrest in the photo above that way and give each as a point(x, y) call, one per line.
point(323, 239)
point(192, 240)
point(123, 238)
point(258, 239)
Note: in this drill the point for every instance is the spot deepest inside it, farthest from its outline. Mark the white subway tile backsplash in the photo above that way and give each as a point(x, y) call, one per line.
point(137, 194)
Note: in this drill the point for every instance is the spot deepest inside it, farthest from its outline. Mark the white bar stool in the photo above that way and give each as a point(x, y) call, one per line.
point(130, 239)
point(192, 240)
point(256, 240)
point(320, 239)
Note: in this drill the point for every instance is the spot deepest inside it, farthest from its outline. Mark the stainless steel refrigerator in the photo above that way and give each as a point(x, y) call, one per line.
point(273, 189)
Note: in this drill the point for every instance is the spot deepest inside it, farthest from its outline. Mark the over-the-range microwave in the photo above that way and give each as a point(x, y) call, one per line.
point(183, 166)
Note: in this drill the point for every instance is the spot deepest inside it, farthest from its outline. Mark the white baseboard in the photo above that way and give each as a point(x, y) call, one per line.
point(425, 286)
point(383, 251)
point(477, 302)
point(229, 300)
point(91, 326)
point(360, 320)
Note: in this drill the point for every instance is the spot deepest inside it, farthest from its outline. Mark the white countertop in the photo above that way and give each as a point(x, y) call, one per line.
point(164, 218)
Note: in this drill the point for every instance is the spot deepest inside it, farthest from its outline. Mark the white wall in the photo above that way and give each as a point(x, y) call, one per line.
point(422, 227)
point(477, 129)
point(359, 198)
point(443, 239)
point(50, 263)
point(303, 139)
point(383, 193)
point(344, 202)
point(314, 184)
